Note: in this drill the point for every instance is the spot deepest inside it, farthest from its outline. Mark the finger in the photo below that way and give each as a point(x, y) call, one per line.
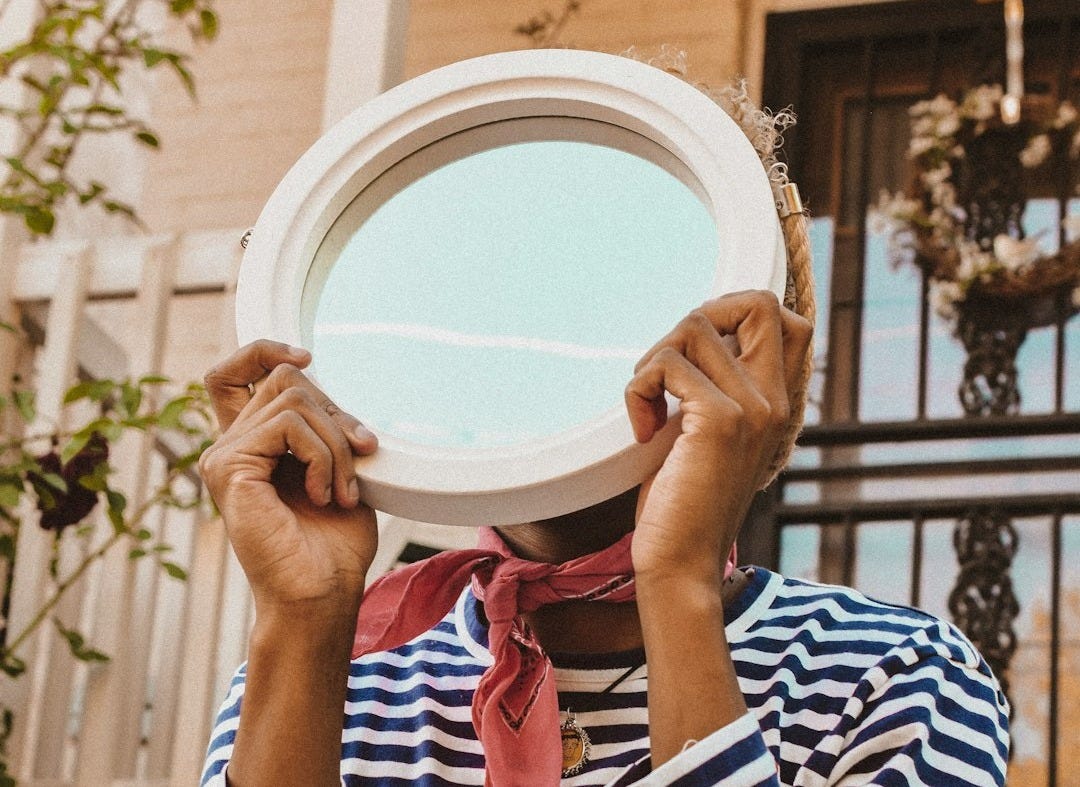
point(227, 383)
point(754, 319)
point(696, 338)
point(285, 376)
point(669, 370)
point(289, 431)
point(300, 396)
point(798, 335)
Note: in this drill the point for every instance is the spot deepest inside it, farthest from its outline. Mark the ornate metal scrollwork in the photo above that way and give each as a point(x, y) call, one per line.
point(990, 385)
point(983, 604)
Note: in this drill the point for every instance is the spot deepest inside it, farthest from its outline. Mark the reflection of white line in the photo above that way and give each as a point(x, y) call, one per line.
point(445, 336)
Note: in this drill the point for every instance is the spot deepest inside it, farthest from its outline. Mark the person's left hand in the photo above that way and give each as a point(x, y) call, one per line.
point(733, 364)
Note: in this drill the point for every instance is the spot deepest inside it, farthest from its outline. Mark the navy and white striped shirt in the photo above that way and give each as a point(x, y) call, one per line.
point(842, 690)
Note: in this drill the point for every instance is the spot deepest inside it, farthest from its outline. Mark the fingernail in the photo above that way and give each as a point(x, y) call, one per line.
point(363, 433)
point(299, 353)
point(328, 495)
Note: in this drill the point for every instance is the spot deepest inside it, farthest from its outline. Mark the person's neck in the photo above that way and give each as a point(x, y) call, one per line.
point(580, 626)
point(587, 626)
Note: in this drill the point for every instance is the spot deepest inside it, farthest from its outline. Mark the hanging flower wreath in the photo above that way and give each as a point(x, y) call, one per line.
point(935, 225)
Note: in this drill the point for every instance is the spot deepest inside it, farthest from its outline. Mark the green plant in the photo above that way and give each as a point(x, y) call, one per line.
point(67, 476)
point(72, 63)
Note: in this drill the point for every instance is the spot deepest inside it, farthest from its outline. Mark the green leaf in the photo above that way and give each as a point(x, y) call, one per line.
point(94, 390)
point(17, 165)
point(130, 399)
point(147, 138)
point(174, 570)
point(117, 504)
point(77, 644)
point(143, 534)
point(74, 445)
point(112, 431)
point(171, 413)
point(24, 401)
point(112, 206)
point(151, 56)
point(153, 379)
point(135, 554)
point(162, 548)
point(46, 498)
point(91, 193)
point(12, 665)
point(187, 460)
point(55, 481)
point(39, 221)
point(97, 480)
point(209, 21)
point(11, 491)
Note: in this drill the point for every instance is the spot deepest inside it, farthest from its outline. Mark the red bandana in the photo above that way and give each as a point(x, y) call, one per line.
point(515, 708)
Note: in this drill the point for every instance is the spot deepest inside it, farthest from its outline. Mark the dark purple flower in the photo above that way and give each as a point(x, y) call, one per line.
point(72, 506)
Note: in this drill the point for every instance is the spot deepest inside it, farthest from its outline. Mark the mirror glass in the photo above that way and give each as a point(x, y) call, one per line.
point(505, 295)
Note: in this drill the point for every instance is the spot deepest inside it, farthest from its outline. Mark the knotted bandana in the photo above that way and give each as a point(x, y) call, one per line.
point(515, 708)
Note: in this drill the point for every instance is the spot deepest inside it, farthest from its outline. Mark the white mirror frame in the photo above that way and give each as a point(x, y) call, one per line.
point(598, 459)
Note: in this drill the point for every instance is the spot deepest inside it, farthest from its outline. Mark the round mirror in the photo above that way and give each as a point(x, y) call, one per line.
point(504, 296)
point(478, 257)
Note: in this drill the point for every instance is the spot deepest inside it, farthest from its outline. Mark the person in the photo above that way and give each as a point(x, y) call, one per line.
point(687, 676)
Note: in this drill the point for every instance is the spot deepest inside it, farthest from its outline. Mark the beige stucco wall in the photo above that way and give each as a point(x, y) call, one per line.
point(260, 90)
point(442, 31)
point(261, 84)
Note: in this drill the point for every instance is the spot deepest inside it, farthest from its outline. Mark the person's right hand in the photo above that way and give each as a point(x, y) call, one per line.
point(282, 476)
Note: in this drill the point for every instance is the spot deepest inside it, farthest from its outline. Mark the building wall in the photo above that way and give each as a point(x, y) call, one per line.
point(261, 84)
point(260, 91)
point(439, 33)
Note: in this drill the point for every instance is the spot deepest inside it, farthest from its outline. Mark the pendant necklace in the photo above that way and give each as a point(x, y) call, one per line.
point(576, 746)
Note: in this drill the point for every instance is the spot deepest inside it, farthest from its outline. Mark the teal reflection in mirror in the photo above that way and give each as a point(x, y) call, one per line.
point(507, 295)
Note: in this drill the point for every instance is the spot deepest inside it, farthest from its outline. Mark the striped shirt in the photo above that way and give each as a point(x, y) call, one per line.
point(841, 690)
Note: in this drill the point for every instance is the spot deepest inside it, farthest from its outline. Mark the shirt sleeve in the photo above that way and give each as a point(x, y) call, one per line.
point(220, 748)
point(930, 713)
point(734, 755)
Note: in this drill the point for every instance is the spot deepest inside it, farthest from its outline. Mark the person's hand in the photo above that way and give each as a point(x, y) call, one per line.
point(282, 476)
point(733, 364)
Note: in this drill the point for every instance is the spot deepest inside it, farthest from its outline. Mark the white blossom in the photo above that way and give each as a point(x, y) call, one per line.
point(944, 296)
point(1066, 114)
point(923, 126)
point(947, 125)
point(920, 145)
point(1015, 254)
point(933, 178)
point(974, 262)
point(981, 103)
point(1037, 151)
point(891, 211)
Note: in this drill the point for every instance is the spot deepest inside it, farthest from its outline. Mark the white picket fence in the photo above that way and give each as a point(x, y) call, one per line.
point(144, 717)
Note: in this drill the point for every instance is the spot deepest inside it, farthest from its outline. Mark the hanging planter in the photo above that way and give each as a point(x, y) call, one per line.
point(960, 224)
